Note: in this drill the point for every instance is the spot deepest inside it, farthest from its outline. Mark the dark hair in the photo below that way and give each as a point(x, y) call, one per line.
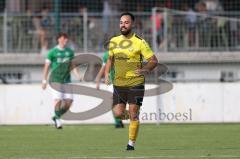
point(129, 14)
point(62, 34)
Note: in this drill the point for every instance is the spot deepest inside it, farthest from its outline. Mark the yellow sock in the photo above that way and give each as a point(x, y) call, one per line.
point(133, 130)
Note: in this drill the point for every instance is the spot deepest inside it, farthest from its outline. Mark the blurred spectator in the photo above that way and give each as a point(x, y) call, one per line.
point(2, 5)
point(169, 4)
point(159, 21)
point(13, 6)
point(110, 22)
point(204, 26)
point(159, 28)
point(26, 35)
point(190, 21)
point(213, 6)
point(201, 7)
point(27, 23)
point(138, 20)
point(221, 37)
point(43, 23)
point(91, 29)
point(107, 13)
point(233, 33)
point(46, 19)
point(110, 11)
point(75, 26)
point(214, 25)
point(38, 29)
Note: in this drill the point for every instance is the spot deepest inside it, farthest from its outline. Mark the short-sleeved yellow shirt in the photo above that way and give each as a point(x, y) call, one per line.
point(128, 54)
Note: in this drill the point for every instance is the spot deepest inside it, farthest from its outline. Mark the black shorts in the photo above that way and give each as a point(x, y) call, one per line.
point(132, 95)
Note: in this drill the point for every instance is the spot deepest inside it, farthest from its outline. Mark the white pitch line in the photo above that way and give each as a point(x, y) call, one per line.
point(143, 157)
point(221, 156)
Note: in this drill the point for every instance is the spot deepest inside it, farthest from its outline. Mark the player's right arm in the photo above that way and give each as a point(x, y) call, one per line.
point(46, 69)
point(102, 70)
point(45, 74)
point(99, 76)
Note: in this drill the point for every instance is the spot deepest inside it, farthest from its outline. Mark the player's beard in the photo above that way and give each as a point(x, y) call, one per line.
point(126, 31)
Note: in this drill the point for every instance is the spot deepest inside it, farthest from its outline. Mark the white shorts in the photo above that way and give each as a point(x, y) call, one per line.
point(61, 95)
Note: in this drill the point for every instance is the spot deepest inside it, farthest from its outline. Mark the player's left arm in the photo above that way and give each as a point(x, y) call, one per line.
point(151, 64)
point(148, 54)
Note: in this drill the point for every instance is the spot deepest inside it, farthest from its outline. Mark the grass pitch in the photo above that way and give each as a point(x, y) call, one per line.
point(167, 141)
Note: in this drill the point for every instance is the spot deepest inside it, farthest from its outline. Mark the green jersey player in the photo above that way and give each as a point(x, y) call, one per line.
point(59, 63)
point(118, 121)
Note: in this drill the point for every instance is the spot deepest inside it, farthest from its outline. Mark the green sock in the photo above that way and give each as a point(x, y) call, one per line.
point(57, 114)
point(117, 120)
point(63, 110)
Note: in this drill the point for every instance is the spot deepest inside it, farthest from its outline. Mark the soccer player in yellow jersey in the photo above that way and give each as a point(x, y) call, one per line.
point(126, 54)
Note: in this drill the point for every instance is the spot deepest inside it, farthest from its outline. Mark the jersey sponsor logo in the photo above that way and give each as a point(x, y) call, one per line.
point(62, 60)
point(123, 44)
point(131, 49)
point(67, 53)
point(59, 54)
point(122, 58)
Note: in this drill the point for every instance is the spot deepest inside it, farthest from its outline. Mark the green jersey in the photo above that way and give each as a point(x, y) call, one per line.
point(60, 60)
point(105, 58)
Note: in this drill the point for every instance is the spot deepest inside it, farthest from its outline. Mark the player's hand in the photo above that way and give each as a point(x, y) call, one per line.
point(81, 79)
point(44, 86)
point(142, 71)
point(107, 81)
point(98, 86)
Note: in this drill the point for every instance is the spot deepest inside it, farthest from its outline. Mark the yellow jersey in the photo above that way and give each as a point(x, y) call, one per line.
point(127, 55)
